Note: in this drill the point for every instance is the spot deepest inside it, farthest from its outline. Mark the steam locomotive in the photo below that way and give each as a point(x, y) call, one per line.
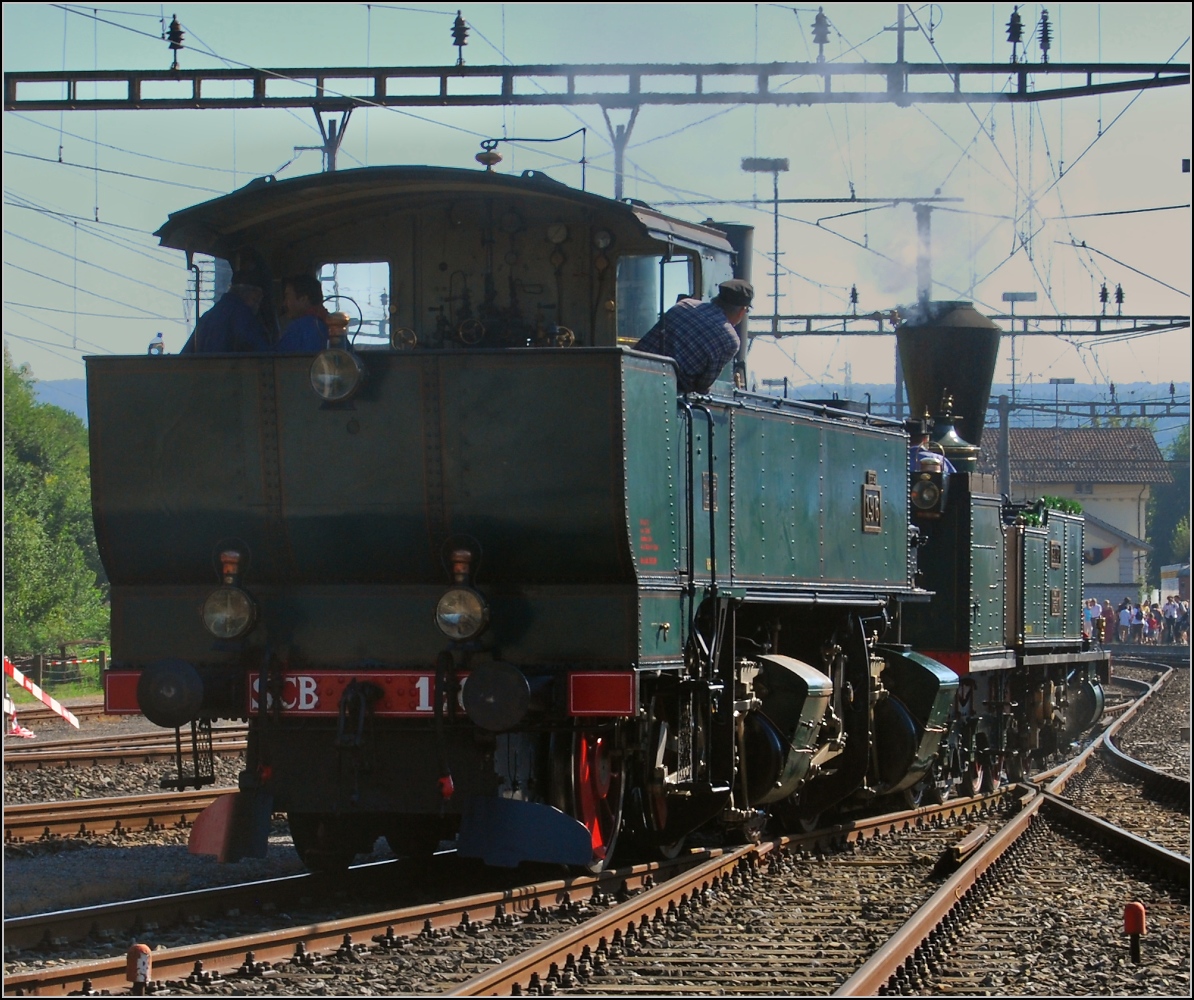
point(493, 580)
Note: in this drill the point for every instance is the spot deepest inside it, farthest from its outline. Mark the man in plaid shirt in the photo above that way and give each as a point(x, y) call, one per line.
point(700, 336)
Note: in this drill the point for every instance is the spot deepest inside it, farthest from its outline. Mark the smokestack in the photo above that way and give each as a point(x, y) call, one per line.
point(949, 347)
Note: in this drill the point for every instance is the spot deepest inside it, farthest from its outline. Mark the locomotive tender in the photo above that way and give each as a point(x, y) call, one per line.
point(494, 580)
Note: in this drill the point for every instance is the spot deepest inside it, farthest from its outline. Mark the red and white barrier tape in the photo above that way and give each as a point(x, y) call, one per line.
point(52, 703)
point(63, 663)
point(15, 728)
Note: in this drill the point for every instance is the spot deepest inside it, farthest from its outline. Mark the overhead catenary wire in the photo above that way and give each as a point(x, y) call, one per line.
point(1144, 274)
point(849, 229)
point(65, 333)
point(80, 312)
point(87, 291)
point(92, 264)
point(118, 173)
point(42, 345)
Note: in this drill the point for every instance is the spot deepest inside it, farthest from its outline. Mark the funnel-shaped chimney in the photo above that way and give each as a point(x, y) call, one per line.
point(949, 347)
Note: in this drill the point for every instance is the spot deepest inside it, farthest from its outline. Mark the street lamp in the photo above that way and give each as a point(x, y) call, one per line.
point(773, 166)
point(1055, 382)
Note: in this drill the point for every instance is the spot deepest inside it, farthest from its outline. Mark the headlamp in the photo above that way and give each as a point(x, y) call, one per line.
point(228, 612)
point(336, 375)
point(925, 494)
point(462, 613)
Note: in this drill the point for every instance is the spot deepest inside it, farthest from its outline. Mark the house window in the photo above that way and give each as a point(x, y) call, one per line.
point(1084, 488)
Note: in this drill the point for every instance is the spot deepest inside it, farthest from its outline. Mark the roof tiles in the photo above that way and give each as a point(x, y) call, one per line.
point(1080, 455)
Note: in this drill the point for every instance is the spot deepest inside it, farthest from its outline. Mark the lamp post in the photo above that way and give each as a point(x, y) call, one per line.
point(773, 166)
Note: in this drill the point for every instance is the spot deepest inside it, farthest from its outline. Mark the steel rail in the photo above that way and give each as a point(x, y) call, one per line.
point(64, 926)
point(880, 969)
point(595, 934)
point(252, 951)
point(1158, 783)
point(42, 821)
point(1080, 763)
point(29, 713)
point(114, 750)
point(1151, 855)
point(64, 979)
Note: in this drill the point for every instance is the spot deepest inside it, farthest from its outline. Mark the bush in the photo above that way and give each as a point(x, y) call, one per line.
point(55, 589)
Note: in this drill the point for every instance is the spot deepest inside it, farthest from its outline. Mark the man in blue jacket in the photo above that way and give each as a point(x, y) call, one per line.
point(232, 324)
point(306, 329)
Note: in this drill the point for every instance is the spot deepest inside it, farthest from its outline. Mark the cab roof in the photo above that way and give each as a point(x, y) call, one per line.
point(267, 211)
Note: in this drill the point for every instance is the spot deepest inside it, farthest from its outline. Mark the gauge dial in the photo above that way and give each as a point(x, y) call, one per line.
point(602, 239)
point(557, 232)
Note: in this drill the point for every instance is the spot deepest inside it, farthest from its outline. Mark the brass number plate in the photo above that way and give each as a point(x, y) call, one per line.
point(1055, 555)
point(872, 505)
point(708, 496)
point(1055, 602)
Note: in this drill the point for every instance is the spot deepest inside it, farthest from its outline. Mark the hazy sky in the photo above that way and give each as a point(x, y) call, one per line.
point(73, 286)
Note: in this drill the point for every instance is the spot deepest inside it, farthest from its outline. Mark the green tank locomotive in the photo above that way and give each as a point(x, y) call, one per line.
point(485, 576)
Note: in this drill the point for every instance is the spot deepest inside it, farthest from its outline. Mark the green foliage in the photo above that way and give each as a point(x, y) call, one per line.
point(1168, 506)
point(54, 584)
point(1180, 542)
point(1034, 515)
point(1063, 504)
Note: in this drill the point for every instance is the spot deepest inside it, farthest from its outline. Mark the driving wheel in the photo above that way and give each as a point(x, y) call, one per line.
point(597, 792)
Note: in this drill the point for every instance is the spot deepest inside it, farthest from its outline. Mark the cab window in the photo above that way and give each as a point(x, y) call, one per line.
point(362, 291)
point(647, 286)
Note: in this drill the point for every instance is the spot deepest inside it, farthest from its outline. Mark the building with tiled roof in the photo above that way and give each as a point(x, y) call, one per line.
point(1110, 471)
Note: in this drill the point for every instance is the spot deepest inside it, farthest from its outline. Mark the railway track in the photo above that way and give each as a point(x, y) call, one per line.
point(130, 748)
point(82, 817)
point(31, 715)
point(666, 913)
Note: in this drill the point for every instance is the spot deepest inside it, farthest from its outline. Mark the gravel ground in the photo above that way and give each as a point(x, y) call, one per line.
point(1103, 792)
point(105, 868)
point(58, 784)
point(1161, 735)
point(1053, 926)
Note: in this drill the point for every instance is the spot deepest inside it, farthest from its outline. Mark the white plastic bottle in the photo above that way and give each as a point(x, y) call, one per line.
point(157, 345)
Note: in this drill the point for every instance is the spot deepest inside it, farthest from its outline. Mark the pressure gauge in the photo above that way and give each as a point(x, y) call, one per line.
point(557, 232)
point(602, 239)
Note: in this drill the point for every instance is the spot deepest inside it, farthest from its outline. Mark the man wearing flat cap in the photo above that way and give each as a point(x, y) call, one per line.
point(232, 324)
point(700, 336)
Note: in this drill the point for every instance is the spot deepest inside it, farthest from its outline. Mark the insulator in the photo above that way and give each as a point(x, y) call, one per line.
point(1119, 295)
point(459, 31)
point(174, 33)
point(821, 28)
point(1046, 35)
point(1103, 294)
point(853, 295)
point(1015, 27)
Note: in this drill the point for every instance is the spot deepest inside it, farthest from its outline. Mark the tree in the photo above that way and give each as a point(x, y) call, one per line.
point(54, 584)
point(1180, 544)
point(1168, 506)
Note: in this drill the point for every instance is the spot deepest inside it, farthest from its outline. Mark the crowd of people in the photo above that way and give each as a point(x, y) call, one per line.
point(1154, 624)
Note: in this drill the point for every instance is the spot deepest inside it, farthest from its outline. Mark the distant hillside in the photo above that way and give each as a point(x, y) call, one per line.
point(69, 393)
point(1126, 393)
